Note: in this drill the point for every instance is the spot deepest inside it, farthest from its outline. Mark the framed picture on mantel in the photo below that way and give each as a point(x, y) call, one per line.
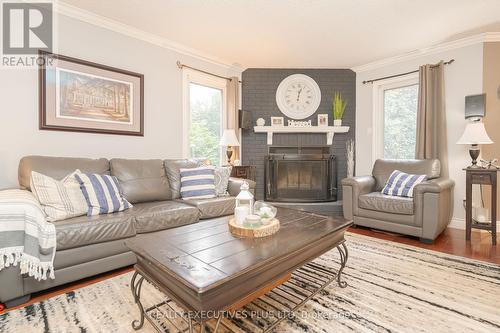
point(81, 96)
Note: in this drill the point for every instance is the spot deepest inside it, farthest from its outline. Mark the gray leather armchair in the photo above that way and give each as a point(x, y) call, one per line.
point(425, 215)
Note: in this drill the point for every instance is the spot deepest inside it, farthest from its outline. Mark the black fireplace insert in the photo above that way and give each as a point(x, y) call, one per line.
point(300, 174)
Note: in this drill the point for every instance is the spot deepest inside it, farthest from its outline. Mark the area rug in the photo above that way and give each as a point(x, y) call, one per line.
point(391, 288)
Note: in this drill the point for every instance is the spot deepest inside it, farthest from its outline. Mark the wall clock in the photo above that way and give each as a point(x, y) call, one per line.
point(298, 96)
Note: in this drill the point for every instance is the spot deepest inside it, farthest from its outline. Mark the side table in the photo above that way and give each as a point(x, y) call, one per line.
point(244, 171)
point(483, 177)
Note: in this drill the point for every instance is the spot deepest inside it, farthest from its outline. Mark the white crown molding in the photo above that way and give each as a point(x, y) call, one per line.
point(109, 24)
point(442, 47)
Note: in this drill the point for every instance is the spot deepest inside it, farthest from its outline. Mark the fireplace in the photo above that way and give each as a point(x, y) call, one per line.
point(300, 174)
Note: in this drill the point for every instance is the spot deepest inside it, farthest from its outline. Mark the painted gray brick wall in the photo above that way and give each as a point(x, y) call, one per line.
point(259, 97)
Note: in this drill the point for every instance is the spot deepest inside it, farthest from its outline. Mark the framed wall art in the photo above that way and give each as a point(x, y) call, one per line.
point(277, 121)
point(81, 96)
point(323, 120)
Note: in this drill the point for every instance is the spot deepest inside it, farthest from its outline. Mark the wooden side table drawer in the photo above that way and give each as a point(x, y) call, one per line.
point(244, 171)
point(481, 178)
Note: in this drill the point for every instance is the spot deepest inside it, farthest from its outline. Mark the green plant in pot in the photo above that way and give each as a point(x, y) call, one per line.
point(338, 108)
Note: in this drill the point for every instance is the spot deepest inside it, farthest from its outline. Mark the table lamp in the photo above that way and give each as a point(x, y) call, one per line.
point(229, 140)
point(474, 135)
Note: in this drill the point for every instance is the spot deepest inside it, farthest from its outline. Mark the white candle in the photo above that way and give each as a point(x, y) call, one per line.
point(240, 214)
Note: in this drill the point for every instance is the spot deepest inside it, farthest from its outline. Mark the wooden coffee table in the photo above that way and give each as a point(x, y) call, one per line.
point(206, 270)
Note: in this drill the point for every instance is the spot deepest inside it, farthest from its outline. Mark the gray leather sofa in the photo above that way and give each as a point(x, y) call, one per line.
point(425, 215)
point(87, 246)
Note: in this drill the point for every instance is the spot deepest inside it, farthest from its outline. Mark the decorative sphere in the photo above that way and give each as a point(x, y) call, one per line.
point(261, 122)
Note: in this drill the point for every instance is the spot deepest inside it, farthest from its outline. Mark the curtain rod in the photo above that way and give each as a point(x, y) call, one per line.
point(181, 66)
point(402, 74)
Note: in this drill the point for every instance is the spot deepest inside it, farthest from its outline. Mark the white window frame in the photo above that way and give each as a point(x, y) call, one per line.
point(379, 88)
point(190, 76)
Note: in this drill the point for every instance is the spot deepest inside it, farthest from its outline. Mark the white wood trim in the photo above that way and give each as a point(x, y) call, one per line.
point(378, 109)
point(125, 29)
point(328, 130)
point(438, 48)
point(192, 76)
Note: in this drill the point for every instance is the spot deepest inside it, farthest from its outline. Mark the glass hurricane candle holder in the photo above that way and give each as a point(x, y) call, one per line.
point(265, 211)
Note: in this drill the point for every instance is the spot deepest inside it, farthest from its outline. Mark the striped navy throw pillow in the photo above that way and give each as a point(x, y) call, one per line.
point(103, 194)
point(402, 184)
point(198, 183)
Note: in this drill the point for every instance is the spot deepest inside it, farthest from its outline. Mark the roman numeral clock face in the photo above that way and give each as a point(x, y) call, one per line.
point(298, 96)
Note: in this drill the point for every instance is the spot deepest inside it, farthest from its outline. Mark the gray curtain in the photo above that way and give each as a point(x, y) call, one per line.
point(431, 116)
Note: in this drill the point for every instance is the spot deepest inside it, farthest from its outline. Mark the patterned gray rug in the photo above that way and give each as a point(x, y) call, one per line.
point(392, 288)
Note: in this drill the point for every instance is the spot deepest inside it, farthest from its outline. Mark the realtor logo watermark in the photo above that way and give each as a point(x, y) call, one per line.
point(26, 28)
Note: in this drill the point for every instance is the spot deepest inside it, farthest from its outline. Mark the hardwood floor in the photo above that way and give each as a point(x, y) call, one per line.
point(451, 241)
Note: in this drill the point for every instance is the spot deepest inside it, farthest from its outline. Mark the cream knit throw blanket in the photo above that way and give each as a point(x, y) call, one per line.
point(26, 238)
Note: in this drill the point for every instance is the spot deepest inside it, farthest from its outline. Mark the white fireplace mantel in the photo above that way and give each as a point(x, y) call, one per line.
point(328, 130)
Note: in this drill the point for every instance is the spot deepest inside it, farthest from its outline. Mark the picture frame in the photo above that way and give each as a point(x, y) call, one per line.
point(277, 121)
point(81, 96)
point(322, 120)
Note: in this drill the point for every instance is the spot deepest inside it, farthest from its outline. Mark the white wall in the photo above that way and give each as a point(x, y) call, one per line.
point(19, 133)
point(463, 77)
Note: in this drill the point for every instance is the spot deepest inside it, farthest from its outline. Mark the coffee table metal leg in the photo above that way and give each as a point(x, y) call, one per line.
point(344, 254)
point(190, 324)
point(219, 319)
point(136, 292)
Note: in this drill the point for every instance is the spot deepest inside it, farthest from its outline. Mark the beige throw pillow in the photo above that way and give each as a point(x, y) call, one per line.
point(60, 199)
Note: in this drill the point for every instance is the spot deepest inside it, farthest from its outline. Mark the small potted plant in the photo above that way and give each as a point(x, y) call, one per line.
point(338, 108)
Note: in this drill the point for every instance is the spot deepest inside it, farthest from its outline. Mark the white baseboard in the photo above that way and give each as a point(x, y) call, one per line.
point(457, 223)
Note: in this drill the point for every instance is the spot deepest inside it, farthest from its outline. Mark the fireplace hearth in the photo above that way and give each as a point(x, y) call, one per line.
point(300, 174)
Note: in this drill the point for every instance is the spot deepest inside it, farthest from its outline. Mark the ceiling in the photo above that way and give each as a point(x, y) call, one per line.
point(301, 33)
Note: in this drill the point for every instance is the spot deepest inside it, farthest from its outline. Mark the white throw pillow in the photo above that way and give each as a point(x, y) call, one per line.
point(60, 199)
point(222, 175)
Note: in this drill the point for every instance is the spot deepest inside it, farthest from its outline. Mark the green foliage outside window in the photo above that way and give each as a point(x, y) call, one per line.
point(400, 122)
point(205, 127)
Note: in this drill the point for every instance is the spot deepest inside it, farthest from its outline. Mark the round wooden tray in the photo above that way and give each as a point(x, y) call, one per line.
point(262, 231)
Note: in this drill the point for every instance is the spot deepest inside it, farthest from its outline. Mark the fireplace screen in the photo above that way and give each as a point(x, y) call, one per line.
point(300, 176)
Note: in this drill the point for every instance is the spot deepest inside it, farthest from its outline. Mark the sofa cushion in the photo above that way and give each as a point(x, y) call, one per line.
point(385, 203)
point(85, 230)
point(103, 194)
point(58, 167)
point(159, 215)
point(222, 175)
point(60, 199)
point(383, 168)
point(141, 180)
point(402, 184)
point(210, 208)
point(173, 167)
point(198, 183)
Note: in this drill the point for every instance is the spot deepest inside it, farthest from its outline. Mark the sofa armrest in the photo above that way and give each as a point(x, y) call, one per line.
point(352, 188)
point(433, 206)
point(363, 184)
point(235, 183)
point(434, 186)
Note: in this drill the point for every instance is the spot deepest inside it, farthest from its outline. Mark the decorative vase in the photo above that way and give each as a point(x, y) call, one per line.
point(350, 158)
point(337, 122)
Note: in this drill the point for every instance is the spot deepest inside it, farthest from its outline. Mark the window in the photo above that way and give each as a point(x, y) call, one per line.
point(395, 123)
point(204, 110)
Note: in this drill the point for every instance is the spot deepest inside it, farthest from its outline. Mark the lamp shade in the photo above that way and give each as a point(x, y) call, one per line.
point(475, 134)
point(229, 138)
